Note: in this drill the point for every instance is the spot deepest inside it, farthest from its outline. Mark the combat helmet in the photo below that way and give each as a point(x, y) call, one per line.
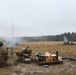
point(1, 43)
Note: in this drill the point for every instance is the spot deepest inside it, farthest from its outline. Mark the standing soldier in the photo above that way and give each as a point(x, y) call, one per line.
point(3, 55)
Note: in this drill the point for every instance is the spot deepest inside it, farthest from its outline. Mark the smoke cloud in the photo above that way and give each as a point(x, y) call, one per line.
point(65, 39)
point(12, 42)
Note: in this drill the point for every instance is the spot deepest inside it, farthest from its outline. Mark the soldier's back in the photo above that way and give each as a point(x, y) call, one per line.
point(2, 57)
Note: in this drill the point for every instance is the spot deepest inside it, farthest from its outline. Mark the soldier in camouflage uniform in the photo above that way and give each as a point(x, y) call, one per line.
point(25, 53)
point(3, 55)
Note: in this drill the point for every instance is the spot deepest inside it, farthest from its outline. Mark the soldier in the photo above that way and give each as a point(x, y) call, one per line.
point(3, 55)
point(25, 53)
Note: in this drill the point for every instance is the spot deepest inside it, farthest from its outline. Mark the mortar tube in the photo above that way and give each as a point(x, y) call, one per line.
point(57, 55)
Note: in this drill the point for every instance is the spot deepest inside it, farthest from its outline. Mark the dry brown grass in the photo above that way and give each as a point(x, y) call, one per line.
point(64, 51)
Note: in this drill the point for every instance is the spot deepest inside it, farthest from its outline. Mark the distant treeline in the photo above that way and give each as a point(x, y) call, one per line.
point(60, 37)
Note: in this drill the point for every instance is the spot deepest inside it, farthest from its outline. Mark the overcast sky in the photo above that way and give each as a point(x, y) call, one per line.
point(37, 17)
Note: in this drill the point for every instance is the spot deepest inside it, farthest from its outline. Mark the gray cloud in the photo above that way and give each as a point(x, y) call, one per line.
point(37, 17)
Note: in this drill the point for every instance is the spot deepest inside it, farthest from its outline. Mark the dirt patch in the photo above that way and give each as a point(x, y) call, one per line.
point(67, 68)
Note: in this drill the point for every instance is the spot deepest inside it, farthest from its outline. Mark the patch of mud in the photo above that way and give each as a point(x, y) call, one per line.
point(67, 68)
point(29, 70)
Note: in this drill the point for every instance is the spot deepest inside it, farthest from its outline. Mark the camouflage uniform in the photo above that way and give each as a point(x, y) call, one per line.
point(3, 55)
point(25, 53)
point(26, 50)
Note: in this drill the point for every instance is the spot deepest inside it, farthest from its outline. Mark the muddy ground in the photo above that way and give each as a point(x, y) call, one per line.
point(66, 68)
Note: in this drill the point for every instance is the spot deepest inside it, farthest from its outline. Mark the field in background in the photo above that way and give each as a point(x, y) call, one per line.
point(68, 68)
point(64, 50)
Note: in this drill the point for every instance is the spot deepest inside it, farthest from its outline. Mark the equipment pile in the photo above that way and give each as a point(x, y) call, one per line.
point(48, 58)
point(42, 59)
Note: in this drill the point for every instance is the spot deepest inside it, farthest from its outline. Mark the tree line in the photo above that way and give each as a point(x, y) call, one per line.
point(60, 37)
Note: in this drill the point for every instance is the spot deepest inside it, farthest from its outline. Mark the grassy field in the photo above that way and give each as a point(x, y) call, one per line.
point(64, 50)
point(42, 47)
